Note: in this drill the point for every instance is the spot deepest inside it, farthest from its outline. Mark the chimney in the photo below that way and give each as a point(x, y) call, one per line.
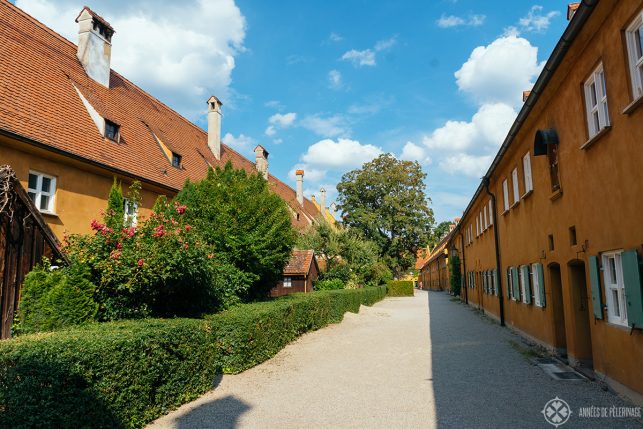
point(525, 95)
point(94, 45)
point(300, 186)
point(214, 126)
point(333, 208)
point(261, 161)
point(571, 10)
point(322, 201)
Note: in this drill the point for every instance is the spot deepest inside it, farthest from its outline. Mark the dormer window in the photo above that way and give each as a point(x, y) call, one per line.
point(176, 160)
point(112, 131)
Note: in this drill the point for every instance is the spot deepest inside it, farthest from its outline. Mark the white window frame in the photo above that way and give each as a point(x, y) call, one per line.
point(490, 213)
point(477, 226)
point(523, 283)
point(598, 113)
point(514, 184)
point(127, 217)
point(635, 61)
point(481, 224)
point(38, 193)
point(536, 286)
point(505, 194)
point(614, 288)
point(287, 282)
point(510, 284)
point(486, 218)
point(526, 167)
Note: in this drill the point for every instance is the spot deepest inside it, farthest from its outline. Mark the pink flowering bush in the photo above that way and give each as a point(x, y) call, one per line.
point(161, 267)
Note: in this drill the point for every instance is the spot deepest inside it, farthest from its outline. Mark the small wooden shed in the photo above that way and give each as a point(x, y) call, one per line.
point(299, 274)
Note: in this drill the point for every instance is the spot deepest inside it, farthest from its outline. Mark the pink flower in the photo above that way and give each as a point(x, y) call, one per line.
point(141, 262)
point(96, 226)
point(180, 209)
point(188, 227)
point(159, 231)
point(130, 232)
point(119, 246)
point(186, 247)
point(115, 254)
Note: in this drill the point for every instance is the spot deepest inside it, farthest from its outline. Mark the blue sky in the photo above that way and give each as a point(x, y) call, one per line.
point(326, 86)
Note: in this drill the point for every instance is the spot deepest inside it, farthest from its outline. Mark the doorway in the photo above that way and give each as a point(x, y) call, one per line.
point(580, 306)
point(556, 285)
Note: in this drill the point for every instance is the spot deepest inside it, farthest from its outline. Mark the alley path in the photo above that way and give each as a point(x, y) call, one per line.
point(387, 367)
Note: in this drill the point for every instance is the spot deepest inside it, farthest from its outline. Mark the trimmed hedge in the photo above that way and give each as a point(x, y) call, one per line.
point(399, 288)
point(125, 374)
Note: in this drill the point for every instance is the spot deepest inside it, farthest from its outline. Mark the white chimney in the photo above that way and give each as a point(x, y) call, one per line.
point(94, 45)
point(214, 126)
point(322, 201)
point(261, 161)
point(300, 186)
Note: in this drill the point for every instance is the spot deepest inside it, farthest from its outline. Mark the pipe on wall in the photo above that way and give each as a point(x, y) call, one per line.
point(485, 181)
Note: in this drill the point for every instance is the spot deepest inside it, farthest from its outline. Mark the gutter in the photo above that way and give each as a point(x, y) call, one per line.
point(76, 157)
point(576, 24)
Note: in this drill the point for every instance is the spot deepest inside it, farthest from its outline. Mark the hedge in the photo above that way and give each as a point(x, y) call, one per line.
point(125, 374)
point(399, 288)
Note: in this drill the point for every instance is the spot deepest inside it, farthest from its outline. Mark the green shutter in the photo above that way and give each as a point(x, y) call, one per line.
point(495, 281)
point(516, 283)
point(525, 276)
point(541, 283)
point(632, 280)
point(595, 280)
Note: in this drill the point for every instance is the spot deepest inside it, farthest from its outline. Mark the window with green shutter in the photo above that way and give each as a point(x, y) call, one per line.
point(515, 282)
point(594, 278)
point(538, 283)
point(632, 281)
point(495, 282)
point(525, 287)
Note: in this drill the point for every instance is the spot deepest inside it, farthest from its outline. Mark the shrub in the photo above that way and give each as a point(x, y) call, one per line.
point(125, 374)
point(455, 277)
point(329, 284)
point(56, 299)
point(400, 288)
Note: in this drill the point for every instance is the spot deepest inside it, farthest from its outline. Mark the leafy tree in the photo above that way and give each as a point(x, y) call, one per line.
point(456, 276)
point(248, 225)
point(439, 232)
point(386, 201)
point(115, 213)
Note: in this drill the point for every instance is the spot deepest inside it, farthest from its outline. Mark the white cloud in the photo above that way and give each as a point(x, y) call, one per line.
point(271, 130)
point(314, 175)
point(283, 120)
point(180, 52)
point(413, 152)
point(340, 154)
point(329, 126)
point(242, 143)
point(535, 21)
point(457, 21)
point(468, 165)
point(334, 79)
point(274, 104)
point(334, 37)
point(500, 71)
point(487, 128)
point(367, 57)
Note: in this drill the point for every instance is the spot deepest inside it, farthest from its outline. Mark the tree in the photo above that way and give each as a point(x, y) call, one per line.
point(115, 213)
point(440, 231)
point(385, 200)
point(248, 225)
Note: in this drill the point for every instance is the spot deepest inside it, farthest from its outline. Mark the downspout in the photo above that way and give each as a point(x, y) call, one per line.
point(464, 268)
point(485, 181)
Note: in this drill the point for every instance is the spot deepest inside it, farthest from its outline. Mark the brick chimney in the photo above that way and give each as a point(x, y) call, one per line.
point(94, 45)
point(214, 126)
point(261, 161)
point(300, 186)
point(525, 95)
point(571, 10)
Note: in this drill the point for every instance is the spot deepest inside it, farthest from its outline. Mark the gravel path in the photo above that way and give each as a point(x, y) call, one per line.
point(387, 367)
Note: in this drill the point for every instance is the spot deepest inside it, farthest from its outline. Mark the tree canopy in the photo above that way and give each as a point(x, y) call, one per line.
point(440, 231)
point(385, 200)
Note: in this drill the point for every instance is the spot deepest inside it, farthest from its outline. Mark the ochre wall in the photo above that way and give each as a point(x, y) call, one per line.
point(81, 190)
point(602, 197)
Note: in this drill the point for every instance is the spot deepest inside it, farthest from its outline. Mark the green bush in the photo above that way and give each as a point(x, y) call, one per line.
point(329, 284)
point(127, 373)
point(400, 288)
point(56, 299)
point(455, 277)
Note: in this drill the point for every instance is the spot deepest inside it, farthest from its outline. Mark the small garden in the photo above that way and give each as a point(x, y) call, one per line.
point(147, 311)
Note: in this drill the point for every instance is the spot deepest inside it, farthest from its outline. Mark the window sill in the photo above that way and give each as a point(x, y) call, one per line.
point(505, 212)
point(633, 105)
point(527, 194)
point(514, 205)
point(556, 194)
point(48, 213)
point(596, 137)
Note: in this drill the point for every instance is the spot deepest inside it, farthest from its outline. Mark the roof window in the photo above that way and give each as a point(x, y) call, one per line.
point(112, 130)
point(176, 160)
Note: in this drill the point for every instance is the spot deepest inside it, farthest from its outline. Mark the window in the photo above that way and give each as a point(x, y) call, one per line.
point(510, 284)
point(477, 226)
point(537, 287)
point(42, 190)
point(572, 235)
point(131, 212)
point(505, 194)
point(596, 102)
point(552, 159)
point(481, 224)
point(526, 166)
point(550, 239)
point(490, 213)
point(524, 275)
point(486, 219)
point(176, 160)
point(112, 130)
point(287, 282)
point(514, 182)
point(634, 39)
point(614, 288)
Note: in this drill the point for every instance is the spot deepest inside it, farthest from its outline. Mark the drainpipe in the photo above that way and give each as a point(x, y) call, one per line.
point(464, 268)
point(485, 181)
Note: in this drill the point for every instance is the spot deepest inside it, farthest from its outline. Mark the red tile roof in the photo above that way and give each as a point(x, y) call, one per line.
point(300, 262)
point(39, 72)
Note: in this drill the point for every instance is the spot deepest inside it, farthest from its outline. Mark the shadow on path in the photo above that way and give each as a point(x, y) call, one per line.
point(222, 413)
point(480, 381)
